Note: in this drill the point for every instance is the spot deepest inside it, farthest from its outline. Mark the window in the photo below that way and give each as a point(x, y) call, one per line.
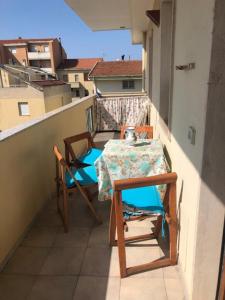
point(65, 77)
point(23, 109)
point(32, 48)
point(46, 49)
point(128, 84)
point(166, 62)
point(77, 92)
point(85, 76)
point(12, 50)
point(76, 77)
point(89, 114)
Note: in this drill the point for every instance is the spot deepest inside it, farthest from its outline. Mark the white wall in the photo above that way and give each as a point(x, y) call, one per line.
point(192, 43)
point(115, 86)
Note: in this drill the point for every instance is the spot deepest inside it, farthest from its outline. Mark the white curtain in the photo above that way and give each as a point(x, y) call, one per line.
point(115, 111)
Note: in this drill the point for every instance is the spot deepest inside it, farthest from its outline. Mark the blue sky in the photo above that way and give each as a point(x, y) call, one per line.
point(53, 18)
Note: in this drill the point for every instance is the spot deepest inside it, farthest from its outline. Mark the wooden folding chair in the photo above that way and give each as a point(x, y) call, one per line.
point(88, 158)
point(146, 188)
point(70, 180)
point(138, 130)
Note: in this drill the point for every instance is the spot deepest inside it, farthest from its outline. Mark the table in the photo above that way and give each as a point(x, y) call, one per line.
point(121, 161)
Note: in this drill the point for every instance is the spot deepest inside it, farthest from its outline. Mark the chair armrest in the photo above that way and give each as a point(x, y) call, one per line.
point(124, 184)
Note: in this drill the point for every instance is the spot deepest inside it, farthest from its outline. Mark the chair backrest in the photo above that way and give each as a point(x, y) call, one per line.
point(69, 151)
point(148, 130)
point(62, 167)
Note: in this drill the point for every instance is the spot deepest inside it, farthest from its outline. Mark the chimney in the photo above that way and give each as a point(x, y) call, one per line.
point(20, 38)
point(122, 57)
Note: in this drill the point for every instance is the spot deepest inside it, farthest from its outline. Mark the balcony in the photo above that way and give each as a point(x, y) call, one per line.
point(48, 70)
point(74, 85)
point(44, 262)
point(38, 55)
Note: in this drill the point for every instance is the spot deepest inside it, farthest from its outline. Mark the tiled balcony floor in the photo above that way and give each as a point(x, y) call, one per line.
point(80, 265)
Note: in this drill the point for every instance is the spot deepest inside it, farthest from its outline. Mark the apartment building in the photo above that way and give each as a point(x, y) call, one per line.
point(26, 95)
point(75, 72)
point(117, 77)
point(45, 53)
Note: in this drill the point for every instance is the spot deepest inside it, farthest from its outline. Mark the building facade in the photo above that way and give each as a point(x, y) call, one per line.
point(117, 77)
point(45, 53)
point(22, 100)
point(75, 72)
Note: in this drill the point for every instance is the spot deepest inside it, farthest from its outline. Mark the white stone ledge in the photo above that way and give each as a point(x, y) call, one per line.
point(12, 131)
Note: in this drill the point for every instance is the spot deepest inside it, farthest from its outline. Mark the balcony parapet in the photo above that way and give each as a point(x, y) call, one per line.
point(38, 55)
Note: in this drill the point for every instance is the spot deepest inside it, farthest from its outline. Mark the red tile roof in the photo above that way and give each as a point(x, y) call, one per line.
point(117, 68)
point(48, 82)
point(18, 41)
point(80, 63)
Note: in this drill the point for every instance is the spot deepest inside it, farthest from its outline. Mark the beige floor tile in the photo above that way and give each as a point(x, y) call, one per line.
point(40, 236)
point(135, 231)
point(141, 255)
point(99, 236)
point(142, 288)
point(76, 237)
point(100, 261)
point(171, 272)
point(63, 261)
point(15, 287)
point(174, 289)
point(48, 218)
point(53, 287)
point(27, 260)
point(97, 288)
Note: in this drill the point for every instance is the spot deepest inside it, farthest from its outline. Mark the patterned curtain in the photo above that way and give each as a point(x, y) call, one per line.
point(115, 111)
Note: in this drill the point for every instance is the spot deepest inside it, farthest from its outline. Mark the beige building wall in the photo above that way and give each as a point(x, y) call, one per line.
point(33, 172)
point(192, 42)
point(9, 110)
point(82, 84)
point(39, 103)
point(56, 96)
point(111, 86)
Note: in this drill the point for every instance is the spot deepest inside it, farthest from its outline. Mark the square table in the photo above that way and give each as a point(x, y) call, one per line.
point(119, 160)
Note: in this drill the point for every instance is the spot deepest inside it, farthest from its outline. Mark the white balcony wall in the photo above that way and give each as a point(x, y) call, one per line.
point(39, 55)
point(188, 106)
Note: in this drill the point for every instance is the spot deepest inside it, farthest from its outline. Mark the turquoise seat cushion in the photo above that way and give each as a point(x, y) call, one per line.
point(144, 198)
point(90, 156)
point(84, 176)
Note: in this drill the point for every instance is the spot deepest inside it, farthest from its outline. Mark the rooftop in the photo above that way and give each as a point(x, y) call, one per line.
point(117, 68)
point(48, 82)
point(80, 63)
point(21, 40)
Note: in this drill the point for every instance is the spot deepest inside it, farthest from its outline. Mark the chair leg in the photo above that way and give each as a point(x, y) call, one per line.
point(158, 227)
point(112, 225)
point(173, 224)
point(65, 210)
point(120, 234)
point(88, 201)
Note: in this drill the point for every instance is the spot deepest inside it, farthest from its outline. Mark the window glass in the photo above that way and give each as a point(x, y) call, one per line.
point(65, 77)
point(13, 50)
point(46, 48)
point(76, 77)
point(128, 84)
point(23, 109)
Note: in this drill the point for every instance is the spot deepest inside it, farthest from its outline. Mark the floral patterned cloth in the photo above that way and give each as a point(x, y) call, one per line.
point(121, 161)
point(112, 112)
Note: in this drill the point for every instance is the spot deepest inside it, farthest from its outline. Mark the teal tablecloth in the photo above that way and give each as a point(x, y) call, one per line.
point(121, 161)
